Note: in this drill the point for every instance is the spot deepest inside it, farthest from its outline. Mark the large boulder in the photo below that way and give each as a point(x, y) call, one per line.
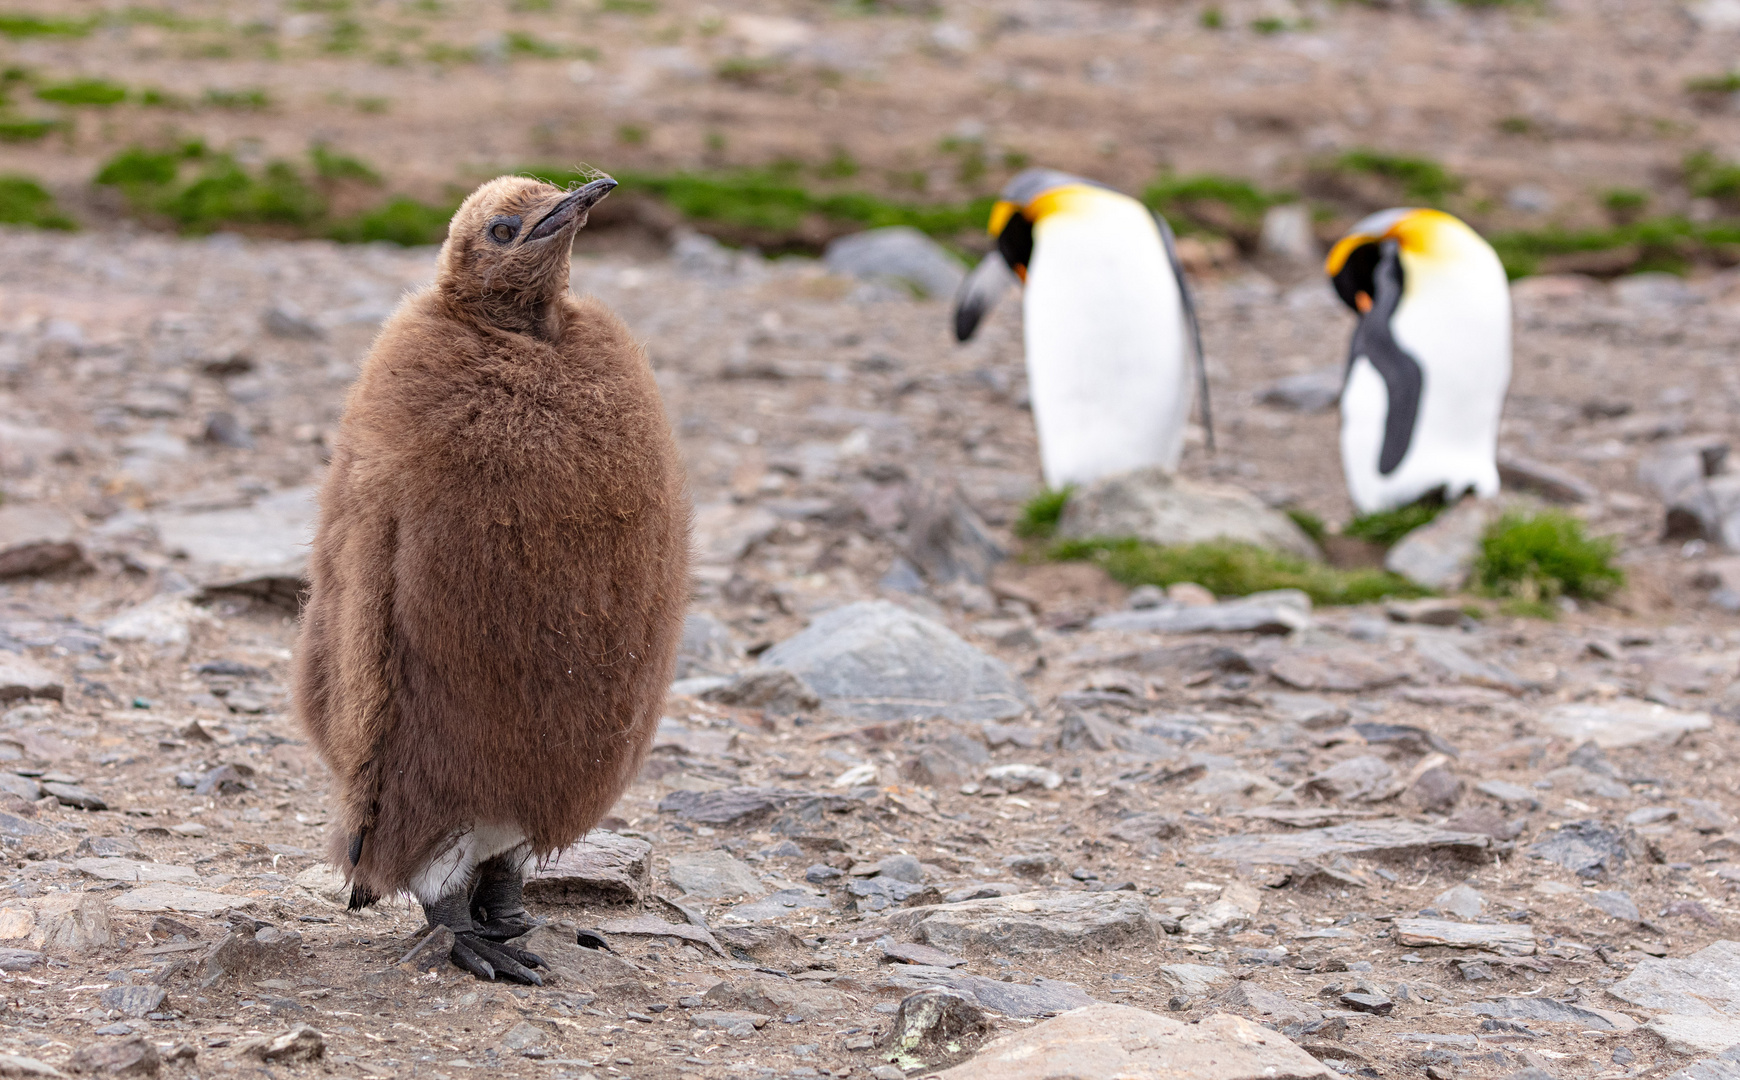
point(900, 252)
point(879, 661)
point(1151, 504)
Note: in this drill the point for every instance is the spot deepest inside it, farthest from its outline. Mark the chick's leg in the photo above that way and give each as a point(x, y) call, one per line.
point(496, 907)
point(446, 888)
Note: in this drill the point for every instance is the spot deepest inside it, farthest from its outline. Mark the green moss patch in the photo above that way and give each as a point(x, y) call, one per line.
point(1537, 558)
point(1040, 514)
point(23, 201)
point(21, 25)
point(1420, 179)
point(1220, 205)
point(1386, 527)
point(83, 92)
point(14, 130)
point(1233, 569)
point(402, 221)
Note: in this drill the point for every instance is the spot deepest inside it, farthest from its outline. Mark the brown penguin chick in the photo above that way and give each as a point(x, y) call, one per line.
point(498, 579)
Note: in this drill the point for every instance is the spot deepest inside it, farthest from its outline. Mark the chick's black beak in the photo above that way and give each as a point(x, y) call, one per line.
point(572, 208)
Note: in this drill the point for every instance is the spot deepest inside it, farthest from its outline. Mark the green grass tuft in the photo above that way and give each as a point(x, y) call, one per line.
point(1386, 527)
point(1232, 569)
point(24, 202)
point(1040, 514)
point(1205, 202)
point(1421, 179)
point(332, 166)
point(84, 92)
point(1537, 558)
point(1310, 524)
point(1727, 83)
point(403, 221)
point(238, 99)
point(17, 131)
point(20, 25)
point(1664, 243)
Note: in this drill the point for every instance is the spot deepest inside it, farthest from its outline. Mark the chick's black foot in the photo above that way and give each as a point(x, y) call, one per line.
point(475, 953)
point(497, 910)
point(492, 960)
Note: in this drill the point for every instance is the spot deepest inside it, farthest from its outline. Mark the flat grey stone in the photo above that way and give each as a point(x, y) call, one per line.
point(1152, 505)
point(1463, 901)
point(707, 647)
point(878, 661)
point(22, 678)
point(22, 786)
point(260, 550)
point(1706, 983)
point(132, 870)
point(160, 622)
point(1440, 555)
point(945, 538)
point(1506, 939)
point(1723, 1066)
point(167, 896)
point(906, 952)
point(772, 690)
point(1311, 392)
point(1042, 997)
point(1392, 837)
point(745, 806)
point(1343, 670)
point(1548, 481)
point(1620, 722)
point(1615, 903)
point(1696, 1034)
point(36, 540)
point(1278, 1008)
point(1450, 659)
point(899, 252)
point(653, 926)
point(133, 1001)
point(601, 868)
point(714, 875)
point(1586, 848)
point(1353, 779)
point(1032, 923)
point(75, 796)
point(1116, 1040)
point(1194, 980)
point(776, 996)
point(1509, 793)
point(1279, 612)
point(780, 905)
point(575, 965)
point(1558, 1012)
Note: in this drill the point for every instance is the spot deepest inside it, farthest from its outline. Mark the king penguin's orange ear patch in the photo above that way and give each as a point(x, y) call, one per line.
point(1362, 301)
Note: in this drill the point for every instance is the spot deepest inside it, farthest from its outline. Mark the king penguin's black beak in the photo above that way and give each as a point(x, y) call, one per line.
point(572, 208)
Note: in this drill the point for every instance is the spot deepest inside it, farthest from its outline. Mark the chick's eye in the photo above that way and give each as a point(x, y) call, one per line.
point(502, 232)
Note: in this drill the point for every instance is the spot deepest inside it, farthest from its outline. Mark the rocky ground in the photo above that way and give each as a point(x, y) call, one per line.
point(1542, 106)
point(1410, 842)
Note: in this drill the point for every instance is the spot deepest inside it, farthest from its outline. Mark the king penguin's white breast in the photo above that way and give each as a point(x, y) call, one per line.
point(1107, 364)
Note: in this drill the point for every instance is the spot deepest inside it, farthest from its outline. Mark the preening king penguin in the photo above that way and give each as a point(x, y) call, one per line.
point(1109, 327)
point(1430, 360)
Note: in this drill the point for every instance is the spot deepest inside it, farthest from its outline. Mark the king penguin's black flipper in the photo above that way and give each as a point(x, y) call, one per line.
point(1402, 375)
point(1195, 330)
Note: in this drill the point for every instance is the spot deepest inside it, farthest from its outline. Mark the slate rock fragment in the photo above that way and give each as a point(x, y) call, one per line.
point(1116, 1040)
point(1706, 983)
point(1152, 504)
point(132, 1056)
point(714, 875)
point(36, 540)
point(581, 968)
point(1586, 848)
point(132, 1000)
point(249, 951)
point(745, 806)
point(777, 692)
point(600, 868)
point(879, 661)
point(1032, 923)
point(776, 996)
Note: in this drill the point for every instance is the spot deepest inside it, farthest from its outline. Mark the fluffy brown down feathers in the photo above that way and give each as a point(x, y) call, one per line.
point(501, 569)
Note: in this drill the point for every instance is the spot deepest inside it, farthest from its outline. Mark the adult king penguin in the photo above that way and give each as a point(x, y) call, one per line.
point(498, 578)
point(1109, 326)
point(1430, 360)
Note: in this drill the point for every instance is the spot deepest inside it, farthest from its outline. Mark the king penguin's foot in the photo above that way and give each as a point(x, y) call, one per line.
point(496, 908)
point(484, 958)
